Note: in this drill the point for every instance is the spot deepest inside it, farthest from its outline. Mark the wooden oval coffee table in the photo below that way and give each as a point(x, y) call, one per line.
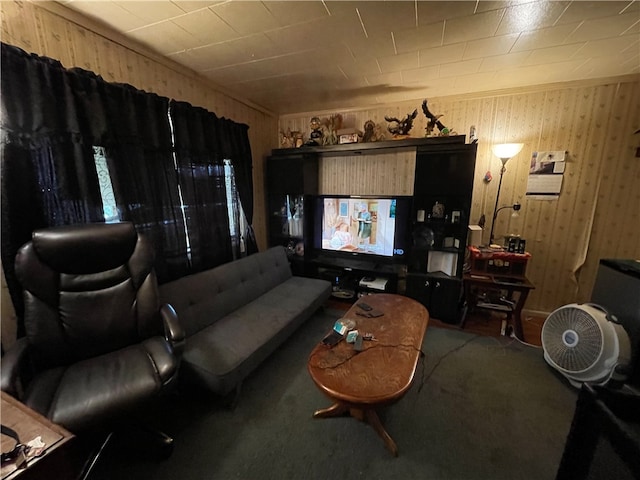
point(380, 374)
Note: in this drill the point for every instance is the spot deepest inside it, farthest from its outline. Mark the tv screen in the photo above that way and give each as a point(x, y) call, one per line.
point(362, 225)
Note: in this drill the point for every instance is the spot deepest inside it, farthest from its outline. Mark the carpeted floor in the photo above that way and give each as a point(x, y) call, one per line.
point(480, 408)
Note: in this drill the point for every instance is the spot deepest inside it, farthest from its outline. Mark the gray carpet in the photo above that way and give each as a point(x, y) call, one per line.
point(480, 408)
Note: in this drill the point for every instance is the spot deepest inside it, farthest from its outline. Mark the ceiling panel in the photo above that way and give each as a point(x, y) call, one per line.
point(206, 26)
point(298, 56)
point(151, 14)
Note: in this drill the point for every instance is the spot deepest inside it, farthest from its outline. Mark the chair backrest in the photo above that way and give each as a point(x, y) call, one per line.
point(88, 290)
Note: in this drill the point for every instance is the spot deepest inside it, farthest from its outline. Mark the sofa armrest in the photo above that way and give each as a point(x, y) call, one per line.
point(173, 331)
point(12, 367)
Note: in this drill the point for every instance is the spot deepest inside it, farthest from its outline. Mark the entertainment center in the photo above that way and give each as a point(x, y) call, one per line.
point(382, 216)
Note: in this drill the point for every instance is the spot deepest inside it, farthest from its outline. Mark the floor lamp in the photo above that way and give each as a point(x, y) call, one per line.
point(504, 152)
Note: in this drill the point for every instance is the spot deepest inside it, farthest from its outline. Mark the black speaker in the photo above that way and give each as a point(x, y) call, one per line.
point(617, 289)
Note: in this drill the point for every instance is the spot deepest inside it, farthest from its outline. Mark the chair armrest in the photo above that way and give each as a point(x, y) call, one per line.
point(12, 367)
point(173, 331)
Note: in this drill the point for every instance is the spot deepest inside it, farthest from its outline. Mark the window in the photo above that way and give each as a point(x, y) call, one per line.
point(109, 207)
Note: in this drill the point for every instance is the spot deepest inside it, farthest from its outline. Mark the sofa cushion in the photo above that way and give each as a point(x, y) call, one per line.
point(203, 298)
point(224, 353)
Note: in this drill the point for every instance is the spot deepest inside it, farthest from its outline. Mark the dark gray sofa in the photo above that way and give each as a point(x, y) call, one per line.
point(237, 314)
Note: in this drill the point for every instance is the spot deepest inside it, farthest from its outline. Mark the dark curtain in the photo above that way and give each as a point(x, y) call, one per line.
point(139, 153)
point(201, 177)
point(52, 118)
point(48, 175)
point(234, 139)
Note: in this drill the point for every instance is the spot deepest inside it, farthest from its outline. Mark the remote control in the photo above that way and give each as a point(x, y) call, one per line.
point(365, 306)
point(358, 347)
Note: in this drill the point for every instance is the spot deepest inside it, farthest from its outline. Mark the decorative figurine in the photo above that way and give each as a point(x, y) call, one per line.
point(331, 126)
point(401, 127)
point(432, 121)
point(438, 210)
point(286, 139)
point(315, 137)
point(372, 132)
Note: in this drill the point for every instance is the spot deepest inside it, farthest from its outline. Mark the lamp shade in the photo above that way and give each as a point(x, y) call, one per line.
point(505, 151)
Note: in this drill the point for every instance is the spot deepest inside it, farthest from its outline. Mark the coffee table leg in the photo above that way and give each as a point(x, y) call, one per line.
point(374, 421)
point(367, 414)
point(334, 410)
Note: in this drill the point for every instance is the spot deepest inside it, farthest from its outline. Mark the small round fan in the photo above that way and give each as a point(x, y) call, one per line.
point(585, 344)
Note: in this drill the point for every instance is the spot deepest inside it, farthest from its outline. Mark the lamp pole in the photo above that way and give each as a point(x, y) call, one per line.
point(504, 152)
point(495, 208)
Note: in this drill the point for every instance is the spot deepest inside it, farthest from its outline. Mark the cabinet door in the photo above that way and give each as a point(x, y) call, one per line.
point(292, 174)
point(445, 171)
point(440, 294)
point(419, 288)
point(445, 301)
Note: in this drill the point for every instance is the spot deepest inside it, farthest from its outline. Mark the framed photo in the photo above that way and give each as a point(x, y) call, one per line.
point(348, 138)
point(455, 216)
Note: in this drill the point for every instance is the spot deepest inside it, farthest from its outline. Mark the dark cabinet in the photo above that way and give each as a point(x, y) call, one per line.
point(441, 294)
point(442, 204)
point(438, 223)
point(292, 180)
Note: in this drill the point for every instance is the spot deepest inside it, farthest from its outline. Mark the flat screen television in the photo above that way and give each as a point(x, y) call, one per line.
point(376, 226)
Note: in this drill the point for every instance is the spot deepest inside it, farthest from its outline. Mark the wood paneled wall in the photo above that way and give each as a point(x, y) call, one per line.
point(597, 214)
point(385, 173)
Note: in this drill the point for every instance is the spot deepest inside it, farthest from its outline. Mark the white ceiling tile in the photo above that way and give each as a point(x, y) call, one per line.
point(446, 54)
point(360, 67)
point(165, 37)
point(254, 47)
point(553, 54)
point(151, 12)
point(604, 27)
point(211, 56)
point(246, 17)
point(395, 63)
point(206, 26)
point(520, 76)
point(432, 12)
point(420, 75)
point(483, 80)
point(388, 16)
point(460, 68)
point(191, 6)
point(609, 47)
point(419, 38)
point(109, 13)
point(586, 10)
point(394, 78)
point(304, 36)
point(499, 62)
point(545, 37)
point(288, 12)
point(362, 47)
point(315, 54)
point(530, 16)
point(464, 29)
point(488, 47)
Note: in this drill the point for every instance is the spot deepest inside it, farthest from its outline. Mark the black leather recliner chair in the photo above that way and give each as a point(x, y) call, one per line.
point(98, 344)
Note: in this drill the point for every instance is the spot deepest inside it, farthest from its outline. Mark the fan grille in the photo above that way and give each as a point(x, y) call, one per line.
point(572, 352)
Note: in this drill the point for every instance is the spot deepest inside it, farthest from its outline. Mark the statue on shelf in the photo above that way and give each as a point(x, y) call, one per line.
point(315, 137)
point(330, 128)
point(401, 128)
point(286, 139)
point(433, 121)
point(372, 132)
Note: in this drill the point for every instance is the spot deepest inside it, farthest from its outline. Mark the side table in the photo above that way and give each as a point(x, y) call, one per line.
point(511, 293)
point(56, 458)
